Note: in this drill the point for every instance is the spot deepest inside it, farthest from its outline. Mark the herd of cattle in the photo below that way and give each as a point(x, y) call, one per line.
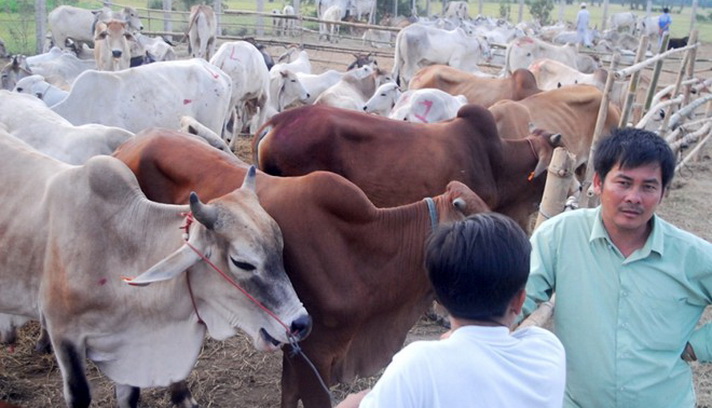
point(105, 164)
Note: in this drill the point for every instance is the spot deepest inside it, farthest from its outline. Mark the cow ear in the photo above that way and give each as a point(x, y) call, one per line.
point(555, 140)
point(168, 268)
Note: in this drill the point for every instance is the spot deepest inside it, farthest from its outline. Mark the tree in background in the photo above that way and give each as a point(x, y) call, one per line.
point(541, 10)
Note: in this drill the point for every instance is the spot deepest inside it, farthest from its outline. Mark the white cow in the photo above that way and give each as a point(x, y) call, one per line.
point(315, 84)
point(623, 21)
point(419, 45)
point(68, 22)
point(202, 29)
point(355, 88)
point(66, 241)
point(60, 69)
point(285, 89)
point(37, 86)
point(331, 30)
point(288, 24)
point(156, 48)
point(457, 9)
point(427, 105)
point(551, 74)
point(383, 100)
point(111, 45)
point(245, 65)
point(299, 64)
point(156, 94)
point(523, 51)
point(29, 119)
point(648, 26)
point(53, 53)
point(13, 71)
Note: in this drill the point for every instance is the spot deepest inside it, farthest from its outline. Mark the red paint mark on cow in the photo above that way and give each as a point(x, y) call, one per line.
point(187, 101)
point(214, 74)
point(424, 117)
point(526, 40)
point(102, 281)
point(232, 54)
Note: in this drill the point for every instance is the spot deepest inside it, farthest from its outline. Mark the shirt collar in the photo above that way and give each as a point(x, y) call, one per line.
point(654, 243)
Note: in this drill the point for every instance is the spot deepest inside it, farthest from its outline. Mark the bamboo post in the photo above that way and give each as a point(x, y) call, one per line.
point(656, 71)
point(691, 137)
point(633, 83)
point(587, 198)
point(541, 315)
point(708, 113)
point(558, 181)
point(558, 184)
point(678, 84)
point(623, 73)
point(687, 110)
point(695, 152)
point(690, 67)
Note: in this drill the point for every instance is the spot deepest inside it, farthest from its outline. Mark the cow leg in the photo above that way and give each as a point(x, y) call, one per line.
point(181, 395)
point(127, 396)
point(71, 360)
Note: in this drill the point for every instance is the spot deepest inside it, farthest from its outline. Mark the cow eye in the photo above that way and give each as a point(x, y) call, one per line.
point(243, 265)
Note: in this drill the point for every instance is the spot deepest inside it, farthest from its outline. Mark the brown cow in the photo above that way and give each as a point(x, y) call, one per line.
point(571, 111)
point(483, 91)
point(397, 162)
point(358, 269)
point(112, 51)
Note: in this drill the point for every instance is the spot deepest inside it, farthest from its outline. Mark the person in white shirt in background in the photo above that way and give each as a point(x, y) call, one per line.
point(478, 268)
point(582, 19)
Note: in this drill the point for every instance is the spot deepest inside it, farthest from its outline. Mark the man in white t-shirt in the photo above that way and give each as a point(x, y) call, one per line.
point(478, 268)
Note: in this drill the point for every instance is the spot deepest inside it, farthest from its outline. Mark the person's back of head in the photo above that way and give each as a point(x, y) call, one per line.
point(478, 265)
point(630, 148)
point(666, 10)
point(583, 5)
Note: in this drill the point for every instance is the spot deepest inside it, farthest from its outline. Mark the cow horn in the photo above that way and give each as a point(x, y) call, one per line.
point(205, 214)
point(249, 182)
point(555, 139)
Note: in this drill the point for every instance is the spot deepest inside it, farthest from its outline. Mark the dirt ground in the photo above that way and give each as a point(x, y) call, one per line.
point(233, 374)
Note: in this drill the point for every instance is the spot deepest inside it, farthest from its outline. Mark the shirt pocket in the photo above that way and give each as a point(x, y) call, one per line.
point(662, 323)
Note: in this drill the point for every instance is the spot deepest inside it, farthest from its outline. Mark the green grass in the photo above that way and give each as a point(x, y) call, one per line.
point(17, 29)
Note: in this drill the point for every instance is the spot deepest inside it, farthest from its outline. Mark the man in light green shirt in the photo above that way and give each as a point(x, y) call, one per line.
point(630, 287)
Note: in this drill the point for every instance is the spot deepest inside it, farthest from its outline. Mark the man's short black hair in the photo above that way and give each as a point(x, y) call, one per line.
point(666, 10)
point(478, 265)
point(630, 148)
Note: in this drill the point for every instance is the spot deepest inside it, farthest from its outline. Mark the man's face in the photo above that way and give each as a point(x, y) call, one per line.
point(629, 197)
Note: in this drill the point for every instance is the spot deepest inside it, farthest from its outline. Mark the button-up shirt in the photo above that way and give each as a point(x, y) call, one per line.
point(624, 322)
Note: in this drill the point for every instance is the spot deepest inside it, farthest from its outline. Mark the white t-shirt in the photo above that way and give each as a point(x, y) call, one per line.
point(476, 366)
